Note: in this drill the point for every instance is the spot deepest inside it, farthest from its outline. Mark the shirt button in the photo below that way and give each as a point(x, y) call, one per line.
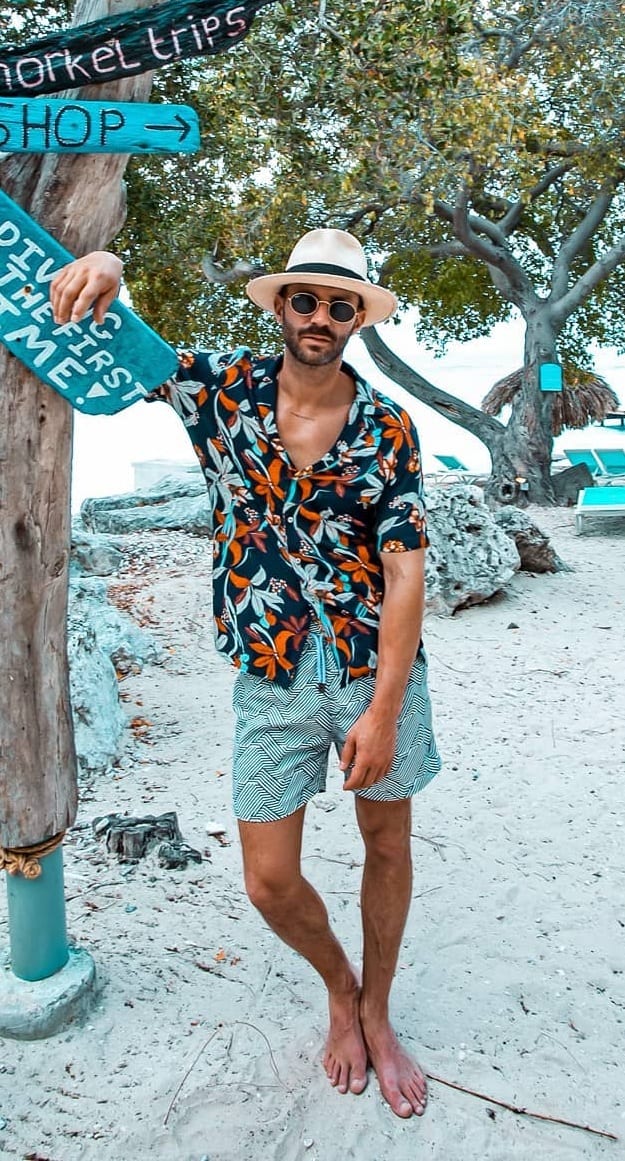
point(289, 519)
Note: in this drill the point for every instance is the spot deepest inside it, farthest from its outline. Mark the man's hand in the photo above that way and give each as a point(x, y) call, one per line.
point(369, 750)
point(90, 281)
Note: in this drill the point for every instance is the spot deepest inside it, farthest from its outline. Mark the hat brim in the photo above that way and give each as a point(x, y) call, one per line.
point(379, 302)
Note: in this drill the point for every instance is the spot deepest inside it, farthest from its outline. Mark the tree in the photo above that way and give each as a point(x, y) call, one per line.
point(80, 200)
point(476, 151)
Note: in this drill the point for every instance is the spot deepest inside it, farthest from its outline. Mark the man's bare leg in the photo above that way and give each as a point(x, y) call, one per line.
point(294, 910)
point(386, 889)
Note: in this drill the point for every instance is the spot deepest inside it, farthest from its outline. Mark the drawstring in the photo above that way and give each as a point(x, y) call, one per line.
point(321, 661)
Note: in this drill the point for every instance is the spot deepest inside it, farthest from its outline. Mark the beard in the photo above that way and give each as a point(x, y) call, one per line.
point(328, 353)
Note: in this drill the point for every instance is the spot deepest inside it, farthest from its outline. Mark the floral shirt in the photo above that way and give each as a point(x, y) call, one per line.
point(293, 546)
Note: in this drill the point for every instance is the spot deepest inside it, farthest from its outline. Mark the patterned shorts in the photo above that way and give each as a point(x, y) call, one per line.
point(283, 736)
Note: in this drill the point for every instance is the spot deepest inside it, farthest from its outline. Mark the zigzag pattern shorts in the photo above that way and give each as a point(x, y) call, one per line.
point(283, 736)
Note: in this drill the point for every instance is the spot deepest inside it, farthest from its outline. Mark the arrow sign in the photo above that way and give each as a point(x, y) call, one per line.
point(100, 369)
point(53, 126)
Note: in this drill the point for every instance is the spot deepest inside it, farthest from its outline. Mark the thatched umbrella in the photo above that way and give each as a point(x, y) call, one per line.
point(585, 396)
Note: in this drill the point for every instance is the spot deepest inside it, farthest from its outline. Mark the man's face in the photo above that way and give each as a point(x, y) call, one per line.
point(316, 339)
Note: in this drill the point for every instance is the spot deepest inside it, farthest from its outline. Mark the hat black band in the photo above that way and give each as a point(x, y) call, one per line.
point(325, 268)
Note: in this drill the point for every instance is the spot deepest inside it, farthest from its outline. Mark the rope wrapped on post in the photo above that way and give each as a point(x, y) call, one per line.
point(25, 860)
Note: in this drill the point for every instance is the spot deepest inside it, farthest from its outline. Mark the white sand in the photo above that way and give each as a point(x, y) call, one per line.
point(511, 975)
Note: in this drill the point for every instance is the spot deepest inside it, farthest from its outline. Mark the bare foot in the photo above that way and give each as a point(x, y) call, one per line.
point(345, 1058)
point(401, 1081)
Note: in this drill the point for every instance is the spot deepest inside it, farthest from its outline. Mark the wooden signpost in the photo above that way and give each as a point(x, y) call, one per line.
point(125, 45)
point(98, 369)
point(55, 126)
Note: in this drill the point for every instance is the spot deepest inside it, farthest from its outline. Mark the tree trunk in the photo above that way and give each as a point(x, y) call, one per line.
point(525, 448)
point(80, 200)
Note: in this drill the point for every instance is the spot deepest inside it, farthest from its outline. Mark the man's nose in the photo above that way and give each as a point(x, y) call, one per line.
point(324, 307)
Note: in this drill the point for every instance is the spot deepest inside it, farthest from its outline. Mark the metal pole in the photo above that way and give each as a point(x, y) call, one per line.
point(37, 928)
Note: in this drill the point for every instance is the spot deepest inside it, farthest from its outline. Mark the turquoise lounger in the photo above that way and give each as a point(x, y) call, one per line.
point(612, 460)
point(598, 501)
point(451, 463)
point(586, 456)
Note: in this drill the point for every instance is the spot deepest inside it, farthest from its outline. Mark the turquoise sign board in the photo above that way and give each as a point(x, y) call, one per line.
point(550, 377)
point(100, 369)
point(51, 126)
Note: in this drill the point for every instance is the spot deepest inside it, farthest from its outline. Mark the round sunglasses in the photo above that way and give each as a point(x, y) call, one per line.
point(305, 303)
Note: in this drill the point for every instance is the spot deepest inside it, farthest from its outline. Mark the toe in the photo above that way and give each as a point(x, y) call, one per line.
point(358, 1084)
point(343, 1080)
point(417, 1092)
point(399, 1104)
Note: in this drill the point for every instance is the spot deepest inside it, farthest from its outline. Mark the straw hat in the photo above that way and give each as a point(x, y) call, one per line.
point(327, 258)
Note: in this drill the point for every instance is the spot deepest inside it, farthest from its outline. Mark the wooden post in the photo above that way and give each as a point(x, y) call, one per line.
point(80, 200)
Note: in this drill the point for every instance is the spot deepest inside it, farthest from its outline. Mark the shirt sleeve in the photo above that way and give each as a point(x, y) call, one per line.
point(401, 518)
point(200, 374)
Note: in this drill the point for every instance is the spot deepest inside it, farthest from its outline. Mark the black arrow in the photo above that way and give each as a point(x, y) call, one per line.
point(183, 127)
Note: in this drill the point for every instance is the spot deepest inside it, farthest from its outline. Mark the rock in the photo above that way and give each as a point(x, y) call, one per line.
point(172, 505)
point(93, 554)
point(177, 856)
point(567, 483)
point(131, 838)
point(98, 718)
point(470, 558)
point(101, 643)
point(534, 548)
point(117, 635)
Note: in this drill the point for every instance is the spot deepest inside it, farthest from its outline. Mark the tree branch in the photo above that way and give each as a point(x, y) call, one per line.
point(578, 239)
point(485, 427)
point(511, 220)
point(507, 274)
point(588, 282)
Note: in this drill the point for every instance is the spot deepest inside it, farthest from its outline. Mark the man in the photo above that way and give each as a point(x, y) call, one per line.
point(319, 544)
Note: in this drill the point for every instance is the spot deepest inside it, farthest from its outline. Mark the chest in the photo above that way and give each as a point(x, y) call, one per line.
point(308, 438)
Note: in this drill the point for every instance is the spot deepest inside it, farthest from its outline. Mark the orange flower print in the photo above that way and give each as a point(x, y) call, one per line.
point(393, 546)
point(270, 657)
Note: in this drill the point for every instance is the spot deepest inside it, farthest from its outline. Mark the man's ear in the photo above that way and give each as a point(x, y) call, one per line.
point(278, 307)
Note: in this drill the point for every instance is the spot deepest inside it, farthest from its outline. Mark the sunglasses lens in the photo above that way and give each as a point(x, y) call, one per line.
point(304, 303)
point(341, 312)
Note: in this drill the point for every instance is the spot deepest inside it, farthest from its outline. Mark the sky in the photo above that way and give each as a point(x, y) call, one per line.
point(107, 447)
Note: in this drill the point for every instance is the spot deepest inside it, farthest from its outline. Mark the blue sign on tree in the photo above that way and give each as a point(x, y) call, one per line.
point(100, 369)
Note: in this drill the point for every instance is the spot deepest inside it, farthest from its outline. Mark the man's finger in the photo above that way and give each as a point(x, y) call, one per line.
point(348, 753)
point(358, 775)
point(102, 304)
point(65, 296)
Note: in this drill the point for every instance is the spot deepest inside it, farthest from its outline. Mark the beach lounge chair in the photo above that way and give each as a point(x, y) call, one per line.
point(455, 470)
point(586, 456)
point(598, 501)
point(612, 460)
point(451, 463)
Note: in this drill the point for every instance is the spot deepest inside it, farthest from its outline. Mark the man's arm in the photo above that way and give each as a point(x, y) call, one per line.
point(370, 744)
point(90, 281)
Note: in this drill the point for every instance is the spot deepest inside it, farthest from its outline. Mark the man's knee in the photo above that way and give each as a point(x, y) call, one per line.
point(385, 828)
point(268, 891)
